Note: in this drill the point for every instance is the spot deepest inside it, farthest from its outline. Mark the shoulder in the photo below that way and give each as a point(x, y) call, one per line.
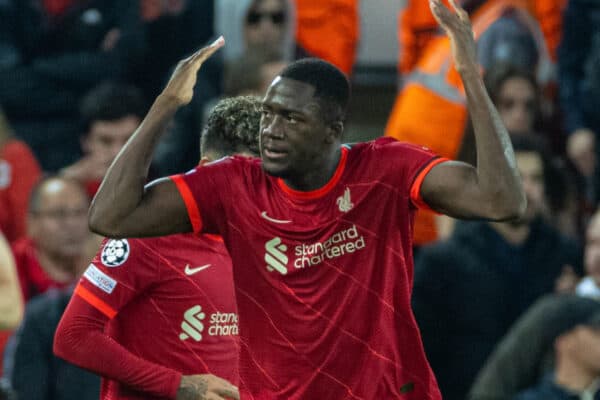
point(48, 306)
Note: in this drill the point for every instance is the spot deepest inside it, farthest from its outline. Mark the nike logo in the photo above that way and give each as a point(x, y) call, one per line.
point(192, 271)
point(276, 221)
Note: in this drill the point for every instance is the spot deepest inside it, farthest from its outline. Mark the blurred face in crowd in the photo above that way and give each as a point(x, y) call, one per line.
point(531, 168)
point(106, 138)
point(582, 346)
point(266, 24)
point(592, 249)
point(516, 104)
point(58, 223)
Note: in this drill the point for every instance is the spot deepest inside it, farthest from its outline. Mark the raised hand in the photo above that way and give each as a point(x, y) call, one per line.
point(458, 28)
point(181, 85)
point(206, 387)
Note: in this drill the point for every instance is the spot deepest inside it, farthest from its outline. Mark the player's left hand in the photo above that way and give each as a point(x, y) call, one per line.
point(457, 26)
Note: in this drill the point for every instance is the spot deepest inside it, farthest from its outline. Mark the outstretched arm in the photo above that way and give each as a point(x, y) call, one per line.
point(493, 189)
point(123, 207)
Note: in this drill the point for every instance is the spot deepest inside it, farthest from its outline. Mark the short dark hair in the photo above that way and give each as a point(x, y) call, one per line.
point(232, 127)
point(331, 85)
point(111, 101)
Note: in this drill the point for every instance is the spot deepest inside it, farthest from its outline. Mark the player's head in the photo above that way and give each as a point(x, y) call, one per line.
point(110, 113)
point(232, 128)
point(303, 117)
point(57, 217)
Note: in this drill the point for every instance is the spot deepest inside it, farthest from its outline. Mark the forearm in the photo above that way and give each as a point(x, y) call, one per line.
point(498, 177)
point(11, 303)
point(122, 189)
point(80, 340)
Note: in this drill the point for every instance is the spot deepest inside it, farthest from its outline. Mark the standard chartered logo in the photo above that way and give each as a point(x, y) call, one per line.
point(220, 324)
point(275, 256)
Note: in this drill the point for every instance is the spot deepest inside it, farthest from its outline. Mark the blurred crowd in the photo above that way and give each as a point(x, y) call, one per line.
point(506, 310)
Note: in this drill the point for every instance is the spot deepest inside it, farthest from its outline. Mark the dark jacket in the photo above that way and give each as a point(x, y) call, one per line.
point(470, 289)
point(33, 370)
point(579, 65)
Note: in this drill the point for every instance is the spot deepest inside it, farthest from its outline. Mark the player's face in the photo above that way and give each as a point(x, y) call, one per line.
point(59, 225)
point(293, 135)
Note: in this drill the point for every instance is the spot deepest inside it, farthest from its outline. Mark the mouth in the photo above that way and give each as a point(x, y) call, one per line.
point(274, 153)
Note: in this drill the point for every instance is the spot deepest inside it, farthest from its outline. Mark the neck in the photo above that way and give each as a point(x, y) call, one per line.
point(318, 176)
point(513, 234)
point(59, 268)
point(572, 376)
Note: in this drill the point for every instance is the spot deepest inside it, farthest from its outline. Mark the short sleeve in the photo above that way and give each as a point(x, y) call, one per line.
point(204, 191)
point(407, 165)
point(120, 271)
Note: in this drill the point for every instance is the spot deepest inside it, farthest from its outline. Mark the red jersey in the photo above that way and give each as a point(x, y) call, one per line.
point(161, 309)
point(323, 278)
point(19, 172)
point(32, 277)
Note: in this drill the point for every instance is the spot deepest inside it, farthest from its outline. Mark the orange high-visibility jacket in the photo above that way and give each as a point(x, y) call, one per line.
point(430, 109)
point(416, 26)
point(329, 30)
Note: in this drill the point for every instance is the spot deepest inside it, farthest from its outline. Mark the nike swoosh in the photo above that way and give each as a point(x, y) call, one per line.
point(192, 271)
point(277, 221)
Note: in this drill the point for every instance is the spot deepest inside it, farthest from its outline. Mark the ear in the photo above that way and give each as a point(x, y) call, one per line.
point(335, 131)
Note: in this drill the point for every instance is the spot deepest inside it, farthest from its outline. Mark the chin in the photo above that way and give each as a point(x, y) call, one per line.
point(274, 169)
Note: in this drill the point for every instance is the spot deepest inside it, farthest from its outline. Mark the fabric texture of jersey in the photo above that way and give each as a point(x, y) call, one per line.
point(323, 279)
point(171, 302)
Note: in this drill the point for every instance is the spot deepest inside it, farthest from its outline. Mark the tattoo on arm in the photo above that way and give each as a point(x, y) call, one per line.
point(192, 389)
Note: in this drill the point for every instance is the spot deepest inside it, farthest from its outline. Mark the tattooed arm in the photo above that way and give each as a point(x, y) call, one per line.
point(206, 387)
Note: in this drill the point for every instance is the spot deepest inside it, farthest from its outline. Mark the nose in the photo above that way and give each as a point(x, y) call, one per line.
point(274, 127)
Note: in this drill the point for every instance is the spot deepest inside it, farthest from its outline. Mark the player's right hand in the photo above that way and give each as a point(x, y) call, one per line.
point(181, 85)
point(206, 387)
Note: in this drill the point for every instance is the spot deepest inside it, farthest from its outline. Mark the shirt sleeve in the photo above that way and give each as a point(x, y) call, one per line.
point(408, 165)
point(118, 273)
point(80, 339)
point(204, 190)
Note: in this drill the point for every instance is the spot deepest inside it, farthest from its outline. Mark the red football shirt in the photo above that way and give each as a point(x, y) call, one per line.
point(162, 310)
point(323, 278)
point(32, 277)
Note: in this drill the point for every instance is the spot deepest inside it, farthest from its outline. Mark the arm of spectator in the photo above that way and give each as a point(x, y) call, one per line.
point(80, 339)
point(123, 45)
point(493, 189)
point(516, 361)
point(11, 303)
point(123, 207)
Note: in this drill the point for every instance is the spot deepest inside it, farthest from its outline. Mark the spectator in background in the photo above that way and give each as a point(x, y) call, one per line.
point(526, 353)
point(330, 30)
point(576, 373)
point(110, 113)
point(590, 284)
point(173, 28)
point(19, 171)
point(579, 79)
point(51, 54)
point(57, 226)
point(31, 367)
point(504, 32)
point(469, 289)
point(249, 26)
point(11, 304)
